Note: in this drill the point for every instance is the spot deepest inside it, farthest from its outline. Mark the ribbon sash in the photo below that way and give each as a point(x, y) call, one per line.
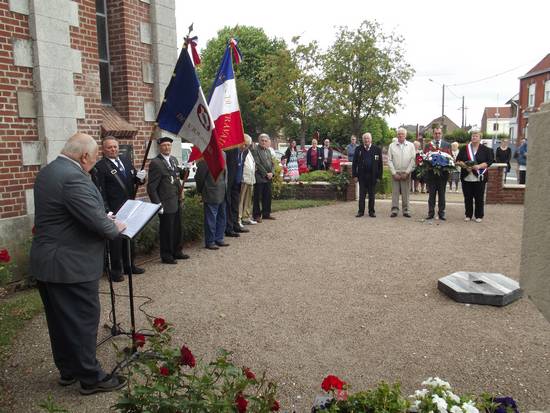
point(471, 157)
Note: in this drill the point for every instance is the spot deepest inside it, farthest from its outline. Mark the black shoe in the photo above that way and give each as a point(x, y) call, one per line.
point(135, 270)
point(393, 215)
point(117, 277)
point(211, 247)
point(407, 215)
point(243, 230)
point(169, 261)
point(372, 215)
point(359, 215)
point(222, 244)
point(66, 381)
point(430, 217)
point(109, 383)
point(442, 218)
point(232, 234)
point(181, 256)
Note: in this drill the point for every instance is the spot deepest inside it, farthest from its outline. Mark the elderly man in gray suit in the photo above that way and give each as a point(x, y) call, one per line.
point(213, 197)
point(66, 258)
point(164, 187)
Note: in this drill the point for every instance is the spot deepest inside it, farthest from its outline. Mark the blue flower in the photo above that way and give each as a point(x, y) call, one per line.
point(505, 405)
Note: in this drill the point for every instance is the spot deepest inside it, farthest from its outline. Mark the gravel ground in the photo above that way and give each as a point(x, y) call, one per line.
point(320, 292)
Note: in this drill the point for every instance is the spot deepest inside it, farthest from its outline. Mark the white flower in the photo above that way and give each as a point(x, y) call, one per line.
point(456, 409)
point(453, 396)
point(420, 393)
point(469, 407)
point(440, 403)
point(416, 404)
point(436, 382)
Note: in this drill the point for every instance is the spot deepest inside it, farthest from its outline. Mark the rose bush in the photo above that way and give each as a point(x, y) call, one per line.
point(164, 379)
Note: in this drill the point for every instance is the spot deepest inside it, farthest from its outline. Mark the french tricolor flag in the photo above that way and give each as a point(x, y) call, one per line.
point(224, 106)
point(185, 113)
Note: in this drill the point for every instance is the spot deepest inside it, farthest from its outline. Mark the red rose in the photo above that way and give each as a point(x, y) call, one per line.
point(187, 358)
point(159, 324)
point(275, 406)
point(164, 371)
point(332, 383)
point(139, 340)
point(241, 403)
point(5, 256)
point(249, 374)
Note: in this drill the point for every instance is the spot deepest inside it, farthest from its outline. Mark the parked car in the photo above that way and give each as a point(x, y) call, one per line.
point(192, 166)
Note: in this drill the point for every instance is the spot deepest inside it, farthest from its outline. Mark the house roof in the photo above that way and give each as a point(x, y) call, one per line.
point(437, 121)
point(504, 112)
point(541, 67)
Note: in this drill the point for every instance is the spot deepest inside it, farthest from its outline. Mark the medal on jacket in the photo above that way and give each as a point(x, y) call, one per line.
point(171, 179)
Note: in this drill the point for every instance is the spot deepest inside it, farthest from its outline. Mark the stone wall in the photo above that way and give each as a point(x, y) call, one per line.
point(535, 259)
point(500, 193)
point(316, 190)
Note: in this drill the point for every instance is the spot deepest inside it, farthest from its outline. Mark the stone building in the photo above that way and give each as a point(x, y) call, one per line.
point(95, 66)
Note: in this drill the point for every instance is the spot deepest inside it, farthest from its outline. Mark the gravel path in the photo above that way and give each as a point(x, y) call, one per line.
point(320, 292)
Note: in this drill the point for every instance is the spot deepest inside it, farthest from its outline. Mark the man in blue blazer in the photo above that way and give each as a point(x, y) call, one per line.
point(66, 259)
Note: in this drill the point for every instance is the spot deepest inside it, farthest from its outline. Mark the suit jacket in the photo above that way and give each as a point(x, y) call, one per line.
point(327, 162)
point(483, 154)
point(264, 164)
point(444, 146)
point(213, 192)
point(319, 159)
point(109, 180)
point(368, 172)
point(164, 186)
point(70, 223)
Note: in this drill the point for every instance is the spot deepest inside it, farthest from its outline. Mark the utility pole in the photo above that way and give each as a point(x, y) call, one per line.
point(463, 124)
point(443, 109)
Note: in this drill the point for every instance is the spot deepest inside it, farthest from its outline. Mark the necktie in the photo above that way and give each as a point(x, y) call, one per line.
point(437, 144)
point(120, 167)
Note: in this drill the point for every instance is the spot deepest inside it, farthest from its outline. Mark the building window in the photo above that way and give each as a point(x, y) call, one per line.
point(531, 99)
point(547, 91)
point(495, 127)
point(103, 49)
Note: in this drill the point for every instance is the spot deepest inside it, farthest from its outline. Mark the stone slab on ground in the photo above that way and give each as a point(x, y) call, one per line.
point(480, 288)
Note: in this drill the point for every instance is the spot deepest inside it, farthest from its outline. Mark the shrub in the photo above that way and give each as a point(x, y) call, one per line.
point(384, 185)
point(316, 176)
point(192, 218)
point(148, 239)
point(277, 181)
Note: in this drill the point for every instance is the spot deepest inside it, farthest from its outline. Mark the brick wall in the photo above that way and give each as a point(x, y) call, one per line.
point(14, 177)
point(539, 81)
point(316, 190)
point(497, 192)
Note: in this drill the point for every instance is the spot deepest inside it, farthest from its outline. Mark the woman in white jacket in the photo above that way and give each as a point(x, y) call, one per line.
point(247, 184)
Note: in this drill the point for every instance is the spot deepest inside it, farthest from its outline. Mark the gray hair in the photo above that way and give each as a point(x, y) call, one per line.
point(247, 139)
point(264, 135)
point(78, 145)
point(367, 134)
point(402, 130)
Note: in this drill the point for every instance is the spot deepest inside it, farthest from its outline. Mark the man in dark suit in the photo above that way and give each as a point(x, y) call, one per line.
point(67, 261)
point(437, 184)
point(327, 155)
point(234, 162)
point(367, 169)
point(117, 178)
point(214, 199)
point(164, 187)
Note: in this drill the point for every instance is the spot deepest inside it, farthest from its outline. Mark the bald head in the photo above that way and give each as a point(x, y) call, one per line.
point(81, 148)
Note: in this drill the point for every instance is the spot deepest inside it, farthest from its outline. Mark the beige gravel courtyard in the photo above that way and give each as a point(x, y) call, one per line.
point(320, 292)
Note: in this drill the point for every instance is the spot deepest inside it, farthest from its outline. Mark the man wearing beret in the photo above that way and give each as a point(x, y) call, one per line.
point(165, 188)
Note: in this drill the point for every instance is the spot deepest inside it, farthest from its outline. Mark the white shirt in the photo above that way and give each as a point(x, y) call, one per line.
point(167, 159)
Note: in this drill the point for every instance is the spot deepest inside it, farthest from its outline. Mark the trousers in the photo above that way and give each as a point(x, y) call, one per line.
point(170, 235)
point(262, 195)
point(366, 187)
point(473, 192)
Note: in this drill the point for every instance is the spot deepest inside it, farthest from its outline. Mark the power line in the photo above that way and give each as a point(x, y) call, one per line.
point(486, 78)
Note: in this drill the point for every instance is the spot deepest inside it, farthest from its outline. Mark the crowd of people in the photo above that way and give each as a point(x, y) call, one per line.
point(77, 199)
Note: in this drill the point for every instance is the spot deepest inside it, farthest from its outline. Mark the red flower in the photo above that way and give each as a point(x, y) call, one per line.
point(241, 403)
point(159, 324)
point(5, 256)
point(275, 406)
point(164, 371)
point(33, 230)
point(187, 358)
point(249, 374)
point(332, 383)
point(139, 340)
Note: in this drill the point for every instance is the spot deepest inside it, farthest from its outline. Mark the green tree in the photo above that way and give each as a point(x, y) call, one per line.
point(256, 48)
point(365, 69)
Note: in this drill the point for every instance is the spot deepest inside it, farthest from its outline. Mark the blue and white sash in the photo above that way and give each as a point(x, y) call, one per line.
point(471, 157)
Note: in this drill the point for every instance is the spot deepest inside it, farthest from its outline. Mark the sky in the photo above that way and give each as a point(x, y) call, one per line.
point(451, 43)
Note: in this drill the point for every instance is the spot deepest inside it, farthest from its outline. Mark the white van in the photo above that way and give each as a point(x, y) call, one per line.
point(192, 166)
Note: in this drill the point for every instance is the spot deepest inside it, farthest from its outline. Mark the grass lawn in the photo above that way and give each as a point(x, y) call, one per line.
point(15, 311)
point(285, 204)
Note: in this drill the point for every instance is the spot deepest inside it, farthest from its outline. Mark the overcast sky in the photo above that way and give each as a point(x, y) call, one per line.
point(448, 42)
